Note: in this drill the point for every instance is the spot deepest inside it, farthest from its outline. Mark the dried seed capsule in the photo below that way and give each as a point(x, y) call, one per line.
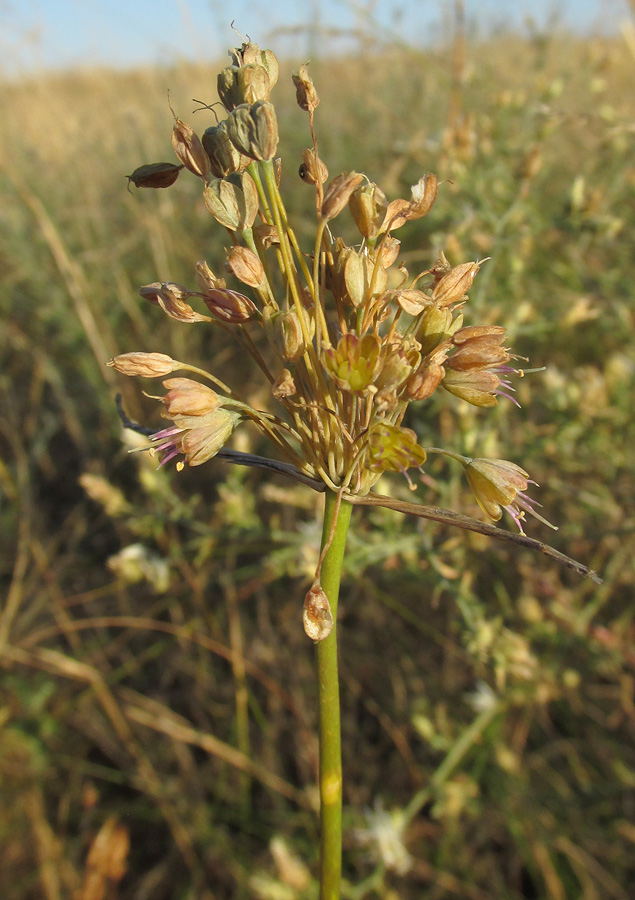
point(312, 170)
point(253, 129)
point(317, 617)
point(454, 285)
point(223, 156)
point(338, 193)
point(305, 93)
point(243, 84)
point(154, 175)
point(230, 306)
point(189, 150)
point(368, 205)
point(283, 386)
point(246, 266)
point(284, 332)
point(233, 201)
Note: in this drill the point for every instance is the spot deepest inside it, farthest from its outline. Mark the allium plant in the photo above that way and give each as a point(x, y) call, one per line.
point(345, 337)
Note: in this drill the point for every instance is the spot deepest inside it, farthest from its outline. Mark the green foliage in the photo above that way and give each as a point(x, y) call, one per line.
point(487, 695)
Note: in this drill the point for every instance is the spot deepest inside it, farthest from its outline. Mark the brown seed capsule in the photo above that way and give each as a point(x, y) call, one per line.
point(147, 364)
point(171, 298)
point(305, 93)
point(267, 235)
point(284, 332)
point(233, 201)
point(312, 170)
point(189, 150)
point(206, 278)
point(317, 617)
point(338, 193)
point(246, 266)
point(243, 84)
point(223, 156)
point(154, 175)
point(253, 129)
point(230, 306)
point(283, 386)
point(423, 195)
point(368, 205)
point(455, 284)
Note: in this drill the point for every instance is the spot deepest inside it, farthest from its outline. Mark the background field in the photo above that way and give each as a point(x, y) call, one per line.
point(165, 694)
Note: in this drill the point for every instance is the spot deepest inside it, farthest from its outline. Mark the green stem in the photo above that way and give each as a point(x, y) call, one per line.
point(329, 698)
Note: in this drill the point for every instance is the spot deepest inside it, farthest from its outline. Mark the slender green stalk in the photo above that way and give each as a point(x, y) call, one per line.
point(329, 698)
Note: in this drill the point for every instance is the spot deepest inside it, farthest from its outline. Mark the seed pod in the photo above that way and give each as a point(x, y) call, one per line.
point(253, 129)
point(206, 278)
point(284, 332)
point(283, 386)
point(233, 201)
point(243, 84)
point(246, 266)
point(312, 170)
point(368, 205)
point(454, 285)
point(317, 617)
point(147, 364)
point(154, 175)
point(230, 306)
point(305, 93)
point(338, 193)
point(423, 195)
point(223, 156)
point(189, 150)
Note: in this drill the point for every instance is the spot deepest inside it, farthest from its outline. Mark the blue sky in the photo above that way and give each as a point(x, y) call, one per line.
point(59, 33)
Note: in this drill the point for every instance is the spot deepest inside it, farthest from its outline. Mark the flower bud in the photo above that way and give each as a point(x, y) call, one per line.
point(187, 397)
point(230, 306)
point(305, 93)
point(223, 156)
point(368, 205)
point(154, 175)
point(338, 193)
point(455, 284)
point(147, 364)
point(317, 617)
point(253, 129)
point(233, 201)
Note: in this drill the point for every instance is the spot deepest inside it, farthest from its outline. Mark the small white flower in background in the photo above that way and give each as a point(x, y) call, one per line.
point(483, 697)
point(136, 563)
point(384, 835)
